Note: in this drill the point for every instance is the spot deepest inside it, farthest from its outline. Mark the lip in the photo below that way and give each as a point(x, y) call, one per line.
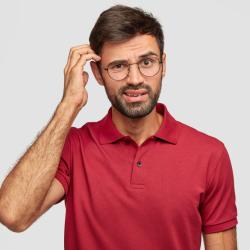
point(136, 92)
point(139, 98)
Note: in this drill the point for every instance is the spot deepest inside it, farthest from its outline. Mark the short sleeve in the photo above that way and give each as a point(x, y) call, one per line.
point(64, 166)
point(218, 209)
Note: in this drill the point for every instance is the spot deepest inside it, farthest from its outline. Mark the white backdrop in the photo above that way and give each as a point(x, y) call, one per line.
point(206, 87)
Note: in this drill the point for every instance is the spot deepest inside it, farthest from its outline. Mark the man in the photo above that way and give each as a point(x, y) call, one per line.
point(136, 179)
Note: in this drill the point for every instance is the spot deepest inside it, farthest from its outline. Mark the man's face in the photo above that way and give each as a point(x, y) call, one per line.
point(136, 95)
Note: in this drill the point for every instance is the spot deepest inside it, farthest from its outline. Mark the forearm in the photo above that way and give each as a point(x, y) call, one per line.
point(26, 186)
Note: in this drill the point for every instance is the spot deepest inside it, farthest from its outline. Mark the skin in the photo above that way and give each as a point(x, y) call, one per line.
point(30, 189)
point(137, 120)
point(225, 240)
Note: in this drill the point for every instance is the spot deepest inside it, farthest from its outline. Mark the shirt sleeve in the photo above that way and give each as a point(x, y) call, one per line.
point(64, 166)
point(218, 209)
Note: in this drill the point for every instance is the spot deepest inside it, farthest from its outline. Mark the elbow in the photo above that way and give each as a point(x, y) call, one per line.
point(11, 223)
point(16, 228)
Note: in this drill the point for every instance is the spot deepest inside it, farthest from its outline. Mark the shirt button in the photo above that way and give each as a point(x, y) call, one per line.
point(139, 164)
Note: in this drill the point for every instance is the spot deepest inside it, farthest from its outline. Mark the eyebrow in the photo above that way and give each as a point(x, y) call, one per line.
point(150, 53)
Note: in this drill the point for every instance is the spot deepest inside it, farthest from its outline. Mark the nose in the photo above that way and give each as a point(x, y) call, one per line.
point(134, 75)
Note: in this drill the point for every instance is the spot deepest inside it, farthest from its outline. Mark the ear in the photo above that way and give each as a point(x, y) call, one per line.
point(164, 64)
point(96, 72)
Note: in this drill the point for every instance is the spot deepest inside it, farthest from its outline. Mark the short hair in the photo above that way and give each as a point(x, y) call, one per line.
point(120, 23)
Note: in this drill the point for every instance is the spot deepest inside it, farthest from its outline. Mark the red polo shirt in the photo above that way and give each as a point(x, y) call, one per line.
point(160, 195)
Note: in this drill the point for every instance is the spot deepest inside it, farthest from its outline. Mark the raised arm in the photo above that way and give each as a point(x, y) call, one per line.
point(24, 190)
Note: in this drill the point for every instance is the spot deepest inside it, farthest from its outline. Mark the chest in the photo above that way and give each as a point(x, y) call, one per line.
point(130, 179)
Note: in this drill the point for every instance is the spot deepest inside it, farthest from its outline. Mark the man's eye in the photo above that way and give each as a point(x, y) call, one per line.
point(117, 66)
point(147, 62)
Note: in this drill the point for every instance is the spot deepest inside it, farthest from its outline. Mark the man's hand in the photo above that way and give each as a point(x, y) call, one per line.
point(75, 78)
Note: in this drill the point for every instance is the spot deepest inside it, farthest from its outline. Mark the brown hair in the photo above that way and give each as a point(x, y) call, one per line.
point(121, 23)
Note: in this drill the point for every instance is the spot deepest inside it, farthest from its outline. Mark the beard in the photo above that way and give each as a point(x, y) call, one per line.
point(138, 109)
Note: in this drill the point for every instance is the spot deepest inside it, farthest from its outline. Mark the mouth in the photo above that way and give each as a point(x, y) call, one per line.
point(135, 95)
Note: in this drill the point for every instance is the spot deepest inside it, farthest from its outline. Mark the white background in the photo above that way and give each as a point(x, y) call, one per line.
point(206, 87)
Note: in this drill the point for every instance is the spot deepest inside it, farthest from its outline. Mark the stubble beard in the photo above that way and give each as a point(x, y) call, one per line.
point(135, 110)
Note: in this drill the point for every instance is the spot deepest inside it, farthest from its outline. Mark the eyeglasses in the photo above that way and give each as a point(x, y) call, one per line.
point(148, 66)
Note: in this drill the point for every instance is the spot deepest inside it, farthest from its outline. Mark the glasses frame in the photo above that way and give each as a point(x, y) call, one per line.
point(129, 64)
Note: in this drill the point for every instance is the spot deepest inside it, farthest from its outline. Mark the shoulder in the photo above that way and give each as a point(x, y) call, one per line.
point(87, 131)
point(199, 141)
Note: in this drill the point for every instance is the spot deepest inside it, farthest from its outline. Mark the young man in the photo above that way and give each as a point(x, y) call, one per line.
point(136, 179)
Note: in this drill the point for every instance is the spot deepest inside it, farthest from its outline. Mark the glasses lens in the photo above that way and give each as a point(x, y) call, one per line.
point(118, 71)
point(149, 66)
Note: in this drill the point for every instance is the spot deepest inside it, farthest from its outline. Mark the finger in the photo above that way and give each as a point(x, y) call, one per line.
point(78, 47)
point(84, 58)
point(75, 57)
point(82, 49)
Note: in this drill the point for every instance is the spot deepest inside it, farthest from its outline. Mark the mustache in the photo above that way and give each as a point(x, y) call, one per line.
point(144, 87)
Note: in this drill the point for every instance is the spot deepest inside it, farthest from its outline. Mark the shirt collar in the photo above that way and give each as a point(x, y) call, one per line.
point(168, 130)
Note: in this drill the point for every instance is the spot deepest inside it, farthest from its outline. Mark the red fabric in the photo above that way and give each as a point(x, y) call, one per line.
point(160, 195)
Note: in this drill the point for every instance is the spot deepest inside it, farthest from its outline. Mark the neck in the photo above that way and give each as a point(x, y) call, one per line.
point(138, 129)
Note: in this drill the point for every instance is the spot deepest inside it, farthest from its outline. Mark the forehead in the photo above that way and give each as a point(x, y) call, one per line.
point(130, 49)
